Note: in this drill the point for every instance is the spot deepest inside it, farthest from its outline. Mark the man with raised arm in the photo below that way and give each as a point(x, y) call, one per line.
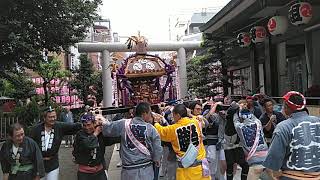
point(186, 138)
point(89, 149)
point(140, 143)
point(48, 135)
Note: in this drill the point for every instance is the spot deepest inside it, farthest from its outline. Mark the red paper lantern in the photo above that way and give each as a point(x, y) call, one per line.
point(277, 25)
point(244, 39)
point(300, 13)
point(258, 34)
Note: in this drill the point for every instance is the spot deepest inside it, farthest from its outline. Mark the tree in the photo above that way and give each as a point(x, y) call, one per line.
point(29, 26)
point(208, 74)
point(83, 78)
point(16, 85)
point(97, 83)
point(30, 113)
point(198, 76)
point(49, 71)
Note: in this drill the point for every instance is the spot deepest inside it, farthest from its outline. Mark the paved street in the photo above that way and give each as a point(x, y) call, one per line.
point(68, 169)
point(114, 172)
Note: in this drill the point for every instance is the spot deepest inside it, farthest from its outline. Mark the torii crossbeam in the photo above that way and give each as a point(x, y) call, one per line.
point(106, 48)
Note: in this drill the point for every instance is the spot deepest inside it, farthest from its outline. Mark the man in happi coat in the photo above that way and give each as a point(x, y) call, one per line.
point(233, 151)
point(295, 147)
point(181, 134)
point(89, 149)
point(140, 144)
point(250, 132)
point(48, 135)
point(21, 157)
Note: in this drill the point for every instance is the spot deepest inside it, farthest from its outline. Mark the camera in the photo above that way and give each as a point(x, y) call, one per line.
point(222, 107)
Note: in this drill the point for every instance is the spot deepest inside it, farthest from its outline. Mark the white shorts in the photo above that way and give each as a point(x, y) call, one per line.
point(222, 156)
point(213, 157)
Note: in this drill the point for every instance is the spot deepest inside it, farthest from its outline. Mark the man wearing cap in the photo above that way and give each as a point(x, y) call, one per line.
point(295, 148)
point(48, 135)
point(89, 149)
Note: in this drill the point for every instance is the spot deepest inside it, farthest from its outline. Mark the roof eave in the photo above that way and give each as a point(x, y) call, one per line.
point(225, 10)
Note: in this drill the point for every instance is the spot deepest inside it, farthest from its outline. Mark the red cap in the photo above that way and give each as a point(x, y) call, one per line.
point(249, 97)
point(290, 104)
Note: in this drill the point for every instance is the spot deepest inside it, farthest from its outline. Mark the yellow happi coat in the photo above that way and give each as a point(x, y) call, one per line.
point(178, 135)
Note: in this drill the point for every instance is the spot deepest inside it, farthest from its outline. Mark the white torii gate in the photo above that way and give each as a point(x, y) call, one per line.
point(106, 48)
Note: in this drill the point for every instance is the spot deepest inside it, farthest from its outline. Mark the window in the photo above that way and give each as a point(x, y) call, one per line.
point(241, 80)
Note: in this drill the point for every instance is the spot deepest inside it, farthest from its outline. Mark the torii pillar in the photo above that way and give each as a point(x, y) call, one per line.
point(106, 48)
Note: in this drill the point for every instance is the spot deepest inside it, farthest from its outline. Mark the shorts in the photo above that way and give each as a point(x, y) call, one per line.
point(213, 157)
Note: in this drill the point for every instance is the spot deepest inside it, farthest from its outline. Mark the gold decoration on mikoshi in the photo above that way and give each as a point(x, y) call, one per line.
point(137, 43)
point(114, 67)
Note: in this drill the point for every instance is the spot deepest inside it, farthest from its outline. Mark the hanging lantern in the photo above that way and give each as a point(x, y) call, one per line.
point(277, 25)
point(258, 34)
point(300, 13)
point(244, 39)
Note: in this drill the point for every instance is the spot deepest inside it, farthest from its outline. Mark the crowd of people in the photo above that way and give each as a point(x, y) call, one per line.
point(193, 140)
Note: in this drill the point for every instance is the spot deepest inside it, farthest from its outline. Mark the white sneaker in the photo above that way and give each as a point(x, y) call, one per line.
point(117, 147)
point(119, 164)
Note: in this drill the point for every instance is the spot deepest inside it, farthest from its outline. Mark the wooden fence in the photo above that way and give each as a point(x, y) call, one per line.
point(5, 122)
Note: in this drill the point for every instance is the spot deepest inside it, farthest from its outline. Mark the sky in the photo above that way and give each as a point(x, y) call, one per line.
point(151, 17)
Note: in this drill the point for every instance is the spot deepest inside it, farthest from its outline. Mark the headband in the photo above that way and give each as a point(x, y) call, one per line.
point(292, 105)
point(87, 117)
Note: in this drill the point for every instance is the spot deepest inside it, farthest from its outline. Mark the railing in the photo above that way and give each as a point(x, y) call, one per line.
point(5, 122)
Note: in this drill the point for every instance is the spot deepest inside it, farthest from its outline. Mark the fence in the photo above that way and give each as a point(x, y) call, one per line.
point(5, 122)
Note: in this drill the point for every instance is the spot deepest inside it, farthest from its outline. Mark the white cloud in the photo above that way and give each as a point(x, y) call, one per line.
point(149, 16)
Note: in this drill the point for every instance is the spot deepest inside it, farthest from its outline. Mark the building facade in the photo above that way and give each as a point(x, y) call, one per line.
point(278, 63)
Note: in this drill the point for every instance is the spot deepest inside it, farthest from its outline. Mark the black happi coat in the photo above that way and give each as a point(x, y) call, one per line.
point(29, 154)
point(60, 130)
point(85, 144)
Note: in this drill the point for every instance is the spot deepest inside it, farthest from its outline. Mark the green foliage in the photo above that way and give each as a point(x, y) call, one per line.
point(208, 73)
point(28, 114)
point(97, 83)
point(16, 85)
point(84, 78)
point(49, 71)
point(29, 26)
point(6, 88)
point(32, 112)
